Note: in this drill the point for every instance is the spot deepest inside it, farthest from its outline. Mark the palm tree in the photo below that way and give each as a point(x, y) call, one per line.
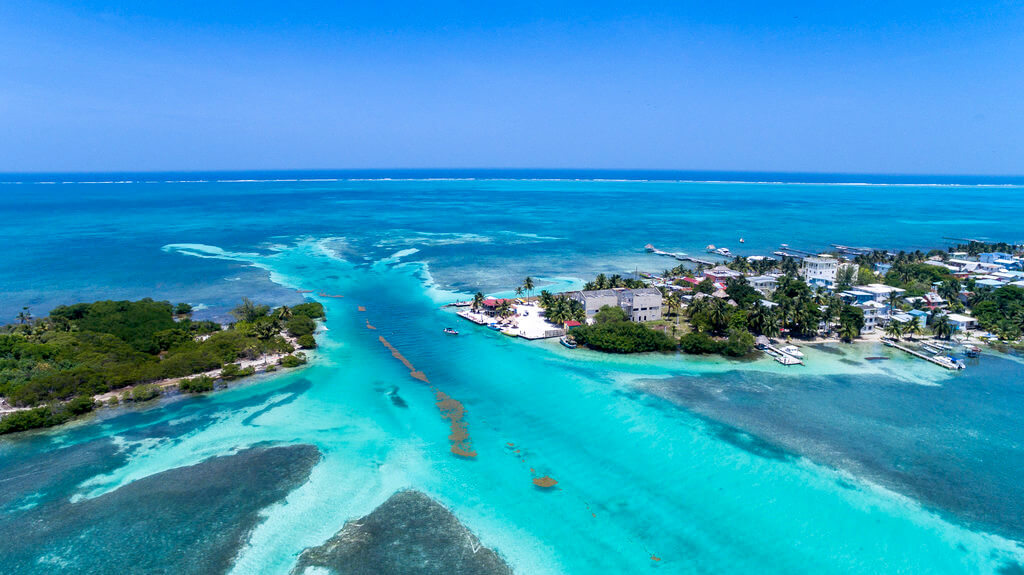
point(25, 315)
point(519, 291)
point(894, 298)
point(849, 331)
point(771, 325)
point(912, 328)
point(528, 285)
point(478, 301)
point(894, 329)
point(718, 315)
point(941, 327)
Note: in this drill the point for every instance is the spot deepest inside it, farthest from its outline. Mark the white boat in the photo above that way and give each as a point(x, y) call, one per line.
point(723, 252)
point(567, 343)
point(793, 351)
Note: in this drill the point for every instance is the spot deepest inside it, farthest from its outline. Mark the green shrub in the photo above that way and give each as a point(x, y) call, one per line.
point(699, 343)
point(312, 310)
point(199, 384)
point(293, 360)
point(235, 371)
point(622, 337)
point(144, 392)
point(300, 325)
point(307, 341)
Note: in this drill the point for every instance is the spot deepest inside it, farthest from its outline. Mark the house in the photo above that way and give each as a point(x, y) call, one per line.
point(643, 304)
point(883, 268)
point(722, 274)
point(763, 284)
point(491, 304)
point(991, 257)
point(872, 315)
point(989, 283)
point(571, 324)
point(920, 315)
point(962, 322)
point(881, 291)
point(856, 296)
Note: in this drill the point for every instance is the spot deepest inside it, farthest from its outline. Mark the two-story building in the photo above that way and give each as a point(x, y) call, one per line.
point(641, 304)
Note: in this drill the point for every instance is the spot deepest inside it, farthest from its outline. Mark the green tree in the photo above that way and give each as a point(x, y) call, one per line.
point(478, 301)
point(851, 321)
point(528, 286)
point(941, 327)
point(249, 311)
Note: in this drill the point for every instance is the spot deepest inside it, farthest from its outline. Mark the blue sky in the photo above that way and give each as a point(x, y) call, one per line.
point(877, 87)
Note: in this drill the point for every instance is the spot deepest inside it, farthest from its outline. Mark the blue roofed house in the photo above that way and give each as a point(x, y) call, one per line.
point(991, 257)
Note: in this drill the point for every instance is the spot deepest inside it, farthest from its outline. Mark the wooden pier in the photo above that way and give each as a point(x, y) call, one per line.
point(943, 362)
point(679, 256)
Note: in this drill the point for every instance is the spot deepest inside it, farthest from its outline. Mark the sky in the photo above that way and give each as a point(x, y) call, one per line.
point(903, 87)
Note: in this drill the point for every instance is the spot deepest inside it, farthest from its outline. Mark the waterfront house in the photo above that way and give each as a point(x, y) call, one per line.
point(962, 322)
point(872, 315)
point(820, 270)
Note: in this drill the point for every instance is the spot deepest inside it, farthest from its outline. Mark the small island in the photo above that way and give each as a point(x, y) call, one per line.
point(84, 355)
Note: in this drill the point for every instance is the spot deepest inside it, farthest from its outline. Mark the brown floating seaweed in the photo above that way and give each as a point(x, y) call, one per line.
point(655, 557)
point(450, 408)
point(361, 308)
point(544, 482)
point(304, 290)
point(322, 294)
point(368, 326)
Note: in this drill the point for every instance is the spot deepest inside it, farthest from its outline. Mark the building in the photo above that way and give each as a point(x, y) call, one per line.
point(594, 300)
point(881, 291)
point(722, 274)
point(643, 304)
point(822, 269)
point(763, 284)
point(962, 322)
point(856, 296)
point(873, 313)
point(991, 257)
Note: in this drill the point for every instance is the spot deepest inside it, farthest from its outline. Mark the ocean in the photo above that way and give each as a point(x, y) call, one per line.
point(664, 462)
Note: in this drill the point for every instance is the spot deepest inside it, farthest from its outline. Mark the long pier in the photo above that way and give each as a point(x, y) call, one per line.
point(680, 256)
point(946, 363)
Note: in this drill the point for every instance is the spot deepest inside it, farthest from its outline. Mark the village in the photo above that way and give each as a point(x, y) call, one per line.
point(846, 294)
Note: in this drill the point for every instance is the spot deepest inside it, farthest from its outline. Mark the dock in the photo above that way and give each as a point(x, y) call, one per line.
point(776, 353)
point(937, 360)
point(679, 256)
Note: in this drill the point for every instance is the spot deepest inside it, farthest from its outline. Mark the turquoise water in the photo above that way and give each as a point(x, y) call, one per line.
point(709, 465)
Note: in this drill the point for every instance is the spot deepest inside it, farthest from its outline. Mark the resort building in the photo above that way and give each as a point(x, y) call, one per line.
point(820, 270)
point(643, 304)
point(881, 291)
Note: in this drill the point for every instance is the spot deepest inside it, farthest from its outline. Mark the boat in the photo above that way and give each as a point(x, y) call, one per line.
point(972, 351)
point(786, 359)
point(793, 351)
point(876, 358)
point(567, 342)
point(451, 331)
point(741, 240)
point(723, 252)
point(510, 333)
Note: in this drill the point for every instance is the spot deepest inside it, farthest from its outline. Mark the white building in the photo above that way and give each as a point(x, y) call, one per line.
point(962, 322)
point(763, 284)
point(643, 304)
point(881, 291)
point(821, 269)
point(872, 315)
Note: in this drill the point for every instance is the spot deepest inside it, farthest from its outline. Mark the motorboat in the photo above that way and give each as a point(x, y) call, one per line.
point(451, 331)
point(793, 351)
point(567, 342)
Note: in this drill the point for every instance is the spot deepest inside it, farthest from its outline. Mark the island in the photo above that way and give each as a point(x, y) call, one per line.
point(80, 356)
point(962, 296)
